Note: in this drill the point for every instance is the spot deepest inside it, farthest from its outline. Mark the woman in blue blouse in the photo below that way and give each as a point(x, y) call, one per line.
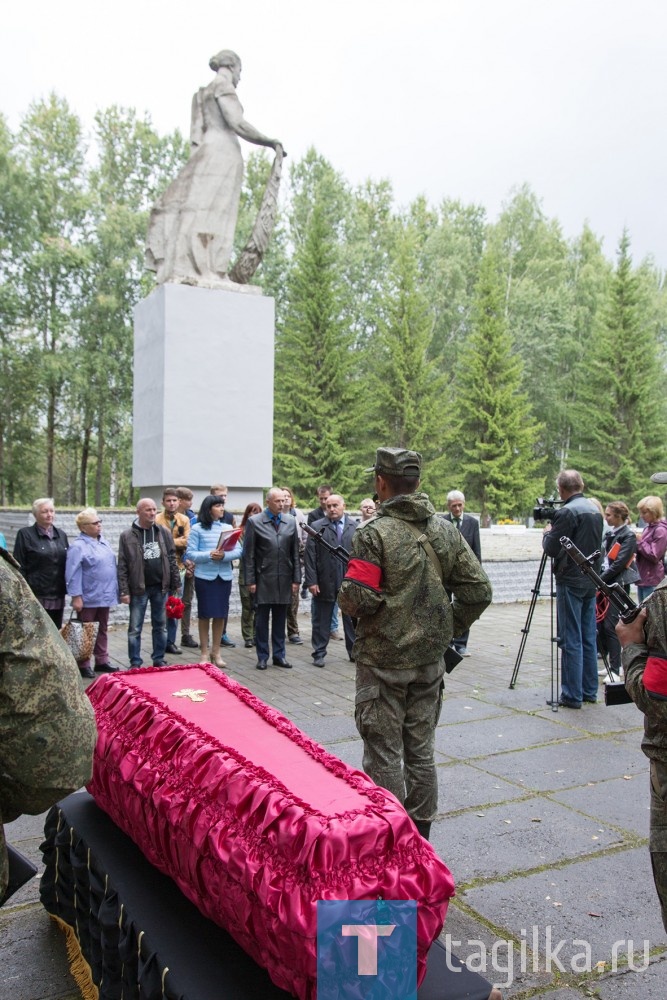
point(213, 575)
point(91, 578)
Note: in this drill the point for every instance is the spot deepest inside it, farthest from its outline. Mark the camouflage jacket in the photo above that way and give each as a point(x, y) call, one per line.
point(47, 726)
point(405, 618)
point(635, 657)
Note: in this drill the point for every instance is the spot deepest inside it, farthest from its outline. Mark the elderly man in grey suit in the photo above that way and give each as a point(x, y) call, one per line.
point(272, 573)
point(469, 528)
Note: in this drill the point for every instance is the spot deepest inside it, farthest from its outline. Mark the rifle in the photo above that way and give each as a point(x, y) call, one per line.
point(614, 692)
point(452, 656)
point(336, 550)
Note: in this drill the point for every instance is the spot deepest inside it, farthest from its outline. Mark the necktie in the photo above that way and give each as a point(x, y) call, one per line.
point(339, 531)
point(458, 523)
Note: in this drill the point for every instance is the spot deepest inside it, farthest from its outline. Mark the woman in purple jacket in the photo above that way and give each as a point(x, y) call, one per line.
point(92, 582)
point(651, 546)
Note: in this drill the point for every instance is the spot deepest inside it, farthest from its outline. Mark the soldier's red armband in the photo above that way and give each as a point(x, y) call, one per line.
point(655, 677)
point(364, 572)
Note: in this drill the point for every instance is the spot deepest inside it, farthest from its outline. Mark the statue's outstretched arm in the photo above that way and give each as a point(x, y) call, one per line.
point(230, 108)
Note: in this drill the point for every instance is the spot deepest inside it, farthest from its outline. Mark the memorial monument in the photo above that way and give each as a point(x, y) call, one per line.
point(203, 339)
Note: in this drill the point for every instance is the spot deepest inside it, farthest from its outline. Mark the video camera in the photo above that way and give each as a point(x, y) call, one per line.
point(546, 508)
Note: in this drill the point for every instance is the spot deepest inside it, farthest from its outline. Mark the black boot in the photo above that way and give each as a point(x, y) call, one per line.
point(423, 827)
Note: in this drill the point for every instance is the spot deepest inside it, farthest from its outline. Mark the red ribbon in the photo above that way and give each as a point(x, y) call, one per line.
point(367, 573)
point(655, 677)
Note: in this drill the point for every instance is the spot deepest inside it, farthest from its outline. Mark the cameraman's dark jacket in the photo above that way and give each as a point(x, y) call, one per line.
point(580, 520)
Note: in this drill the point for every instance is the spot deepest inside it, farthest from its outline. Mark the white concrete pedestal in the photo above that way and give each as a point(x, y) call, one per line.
point(203, 392)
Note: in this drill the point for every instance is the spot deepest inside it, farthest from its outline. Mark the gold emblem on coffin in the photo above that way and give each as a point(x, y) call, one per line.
point(194, 694)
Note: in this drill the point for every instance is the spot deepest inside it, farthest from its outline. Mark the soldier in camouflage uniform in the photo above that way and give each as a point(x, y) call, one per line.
point(403, 561)
point(47, 726)
point(644, 643)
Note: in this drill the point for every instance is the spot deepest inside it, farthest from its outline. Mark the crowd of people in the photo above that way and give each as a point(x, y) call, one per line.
point(629, 554)
point(406, 582)
point(177, 552)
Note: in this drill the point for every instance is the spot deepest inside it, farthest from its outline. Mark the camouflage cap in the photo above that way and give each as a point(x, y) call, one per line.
point(659, 477)
point(396, 462)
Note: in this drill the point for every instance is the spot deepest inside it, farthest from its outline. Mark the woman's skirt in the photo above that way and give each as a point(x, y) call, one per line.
point(213, 597)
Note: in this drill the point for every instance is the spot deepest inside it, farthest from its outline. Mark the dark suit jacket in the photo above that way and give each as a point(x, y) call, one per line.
point(271, 558)
point(316, 514)
point(470, 531)
point(322, 567)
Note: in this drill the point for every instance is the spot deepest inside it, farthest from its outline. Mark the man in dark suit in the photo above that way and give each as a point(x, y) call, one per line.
point(272, 573)
point(324, 575)
point(469, 528)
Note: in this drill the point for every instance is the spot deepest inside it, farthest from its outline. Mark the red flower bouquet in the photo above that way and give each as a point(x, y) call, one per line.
point(175, 607)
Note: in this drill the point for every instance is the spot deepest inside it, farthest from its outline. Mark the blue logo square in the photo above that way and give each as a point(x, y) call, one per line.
point(367, 949)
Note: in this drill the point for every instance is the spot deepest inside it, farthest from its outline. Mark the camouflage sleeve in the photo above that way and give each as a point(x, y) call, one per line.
point(361, 590)
point(635, 657)
point(467, 581)
point(47, 726)
point(645, 665)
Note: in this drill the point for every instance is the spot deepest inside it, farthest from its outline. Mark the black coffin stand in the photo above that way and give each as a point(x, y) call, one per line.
point(139, 937)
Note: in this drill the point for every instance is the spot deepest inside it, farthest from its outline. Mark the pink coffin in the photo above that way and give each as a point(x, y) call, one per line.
point(253, 820)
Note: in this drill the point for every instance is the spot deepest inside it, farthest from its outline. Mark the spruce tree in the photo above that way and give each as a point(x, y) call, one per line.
point(621, 411)
point(406, 392)
point(315, 403)
point(493, 434)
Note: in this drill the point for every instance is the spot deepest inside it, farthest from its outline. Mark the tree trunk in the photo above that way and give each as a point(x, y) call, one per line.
point(50, 344)
point(83, 473)
point(50, 439)
point(100, 460)
point(113, 482)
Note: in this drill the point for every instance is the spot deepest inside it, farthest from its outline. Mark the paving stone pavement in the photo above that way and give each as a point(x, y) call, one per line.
point(543, 821)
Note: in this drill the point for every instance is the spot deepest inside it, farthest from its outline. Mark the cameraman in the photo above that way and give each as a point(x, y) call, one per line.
point(581, 522)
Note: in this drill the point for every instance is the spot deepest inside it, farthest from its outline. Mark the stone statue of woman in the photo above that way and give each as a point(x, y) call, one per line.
point(191, 228)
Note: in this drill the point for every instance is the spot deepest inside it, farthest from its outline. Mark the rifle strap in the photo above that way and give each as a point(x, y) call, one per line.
point(427, 547)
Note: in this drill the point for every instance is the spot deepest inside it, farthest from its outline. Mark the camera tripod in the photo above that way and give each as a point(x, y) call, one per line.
point(555, 661)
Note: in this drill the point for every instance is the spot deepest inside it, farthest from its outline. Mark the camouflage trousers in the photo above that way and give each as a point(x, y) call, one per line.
point(396, 712)
point(658, 832)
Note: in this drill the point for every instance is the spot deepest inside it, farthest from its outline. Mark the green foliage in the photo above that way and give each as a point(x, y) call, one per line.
point(315, 400)
point(71, 270)
point(503, 351)
point(493, 433)
point(406, 394)
point(452, 247)
point(621, 411)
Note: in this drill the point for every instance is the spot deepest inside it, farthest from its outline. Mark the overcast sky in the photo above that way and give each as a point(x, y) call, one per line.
point(461, 99)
